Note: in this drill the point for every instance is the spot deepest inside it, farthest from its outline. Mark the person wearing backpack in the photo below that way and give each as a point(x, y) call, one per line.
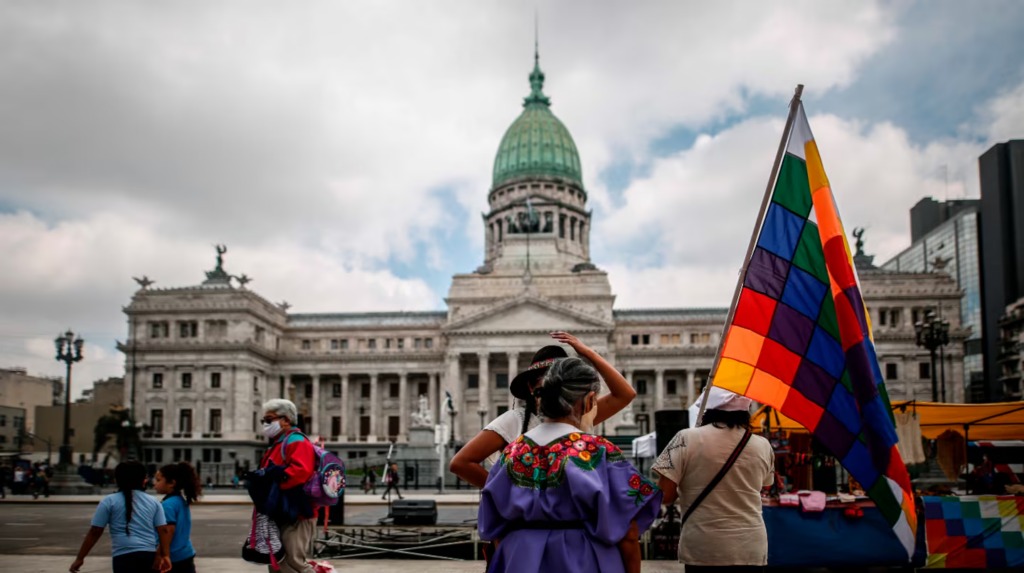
point(289, 462)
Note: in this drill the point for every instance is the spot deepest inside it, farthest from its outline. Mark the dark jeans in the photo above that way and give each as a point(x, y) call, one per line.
point(137, 562)
point(724, 569)
point(393, 486)
point(184, 566)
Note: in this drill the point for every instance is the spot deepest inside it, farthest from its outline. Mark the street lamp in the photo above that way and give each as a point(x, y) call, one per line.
point(69, 351)
point(933, 334)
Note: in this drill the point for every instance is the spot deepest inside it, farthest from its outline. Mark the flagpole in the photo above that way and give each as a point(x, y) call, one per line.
point(793, 105)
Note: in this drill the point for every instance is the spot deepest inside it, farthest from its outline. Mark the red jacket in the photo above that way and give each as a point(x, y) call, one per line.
point(299, 459)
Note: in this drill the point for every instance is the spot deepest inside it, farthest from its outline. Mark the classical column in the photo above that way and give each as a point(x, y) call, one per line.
point(345, 410)
point(454, 387)
point(374, 407)
point(513, 369)
point(485, 387)
point(659, 389)
point(314, 428)
point(690, 397)
point(433, 381)
point(403, 405)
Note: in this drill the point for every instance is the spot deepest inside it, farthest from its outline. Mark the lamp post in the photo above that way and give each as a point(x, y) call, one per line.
point(69, 351)
point(933, 333)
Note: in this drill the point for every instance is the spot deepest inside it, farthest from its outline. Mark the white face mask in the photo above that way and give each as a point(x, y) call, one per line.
point(272, 429)
point(587, 421)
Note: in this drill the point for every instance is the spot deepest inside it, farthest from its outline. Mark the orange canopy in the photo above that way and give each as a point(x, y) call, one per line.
point(994, 421)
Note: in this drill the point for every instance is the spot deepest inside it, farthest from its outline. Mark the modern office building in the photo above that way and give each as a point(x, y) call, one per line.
point(1001, 170)
point(945, 240)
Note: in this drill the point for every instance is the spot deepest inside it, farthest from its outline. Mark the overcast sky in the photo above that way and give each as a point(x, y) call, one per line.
point(343, 150)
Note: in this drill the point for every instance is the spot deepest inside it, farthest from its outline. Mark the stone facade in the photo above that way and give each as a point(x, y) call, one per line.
point(206, 357)
point(97, 402)
point(1011, 350)
point(19, 389)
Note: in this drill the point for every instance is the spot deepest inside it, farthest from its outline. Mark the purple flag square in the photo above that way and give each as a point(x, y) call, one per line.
point(767, 273)
point(791, 329)
point(814, 383)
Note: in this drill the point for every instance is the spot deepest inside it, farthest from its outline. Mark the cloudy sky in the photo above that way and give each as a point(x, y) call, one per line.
point(342, 150)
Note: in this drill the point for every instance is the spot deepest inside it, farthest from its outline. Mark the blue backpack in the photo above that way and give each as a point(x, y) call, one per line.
point(325, 486)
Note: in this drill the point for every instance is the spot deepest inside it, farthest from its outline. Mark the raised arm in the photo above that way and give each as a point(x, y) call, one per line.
point(620, 393)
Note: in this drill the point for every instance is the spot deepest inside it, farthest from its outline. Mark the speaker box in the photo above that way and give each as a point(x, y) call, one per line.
point(414, 512)
point(667, 424)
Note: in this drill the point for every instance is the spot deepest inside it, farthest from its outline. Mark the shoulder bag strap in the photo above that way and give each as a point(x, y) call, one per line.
point(721, 474)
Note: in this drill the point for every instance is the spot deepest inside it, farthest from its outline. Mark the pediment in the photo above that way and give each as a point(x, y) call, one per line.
point(527, 314)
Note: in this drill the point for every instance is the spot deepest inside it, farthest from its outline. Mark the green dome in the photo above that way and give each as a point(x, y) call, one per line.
point(537, 143)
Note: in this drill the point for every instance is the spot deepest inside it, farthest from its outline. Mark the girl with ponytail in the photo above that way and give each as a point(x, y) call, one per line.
point(139, 537)
point(180, 485)
point(503, 430)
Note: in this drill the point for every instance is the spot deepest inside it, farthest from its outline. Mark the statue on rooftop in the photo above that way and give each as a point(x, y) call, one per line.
point(858, 233)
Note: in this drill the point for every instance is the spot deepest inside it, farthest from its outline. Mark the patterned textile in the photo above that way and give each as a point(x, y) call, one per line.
point(977, 532)
point(563, 506)
point(800, 339)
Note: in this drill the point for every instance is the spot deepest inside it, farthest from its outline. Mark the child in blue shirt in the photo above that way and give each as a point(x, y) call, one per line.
point(180, 486)
point(139, 537)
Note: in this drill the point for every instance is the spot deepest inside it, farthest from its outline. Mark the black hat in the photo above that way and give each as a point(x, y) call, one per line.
point(542, 360)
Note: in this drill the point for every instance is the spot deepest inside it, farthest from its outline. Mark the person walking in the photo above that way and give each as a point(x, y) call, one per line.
point(561, 498)
point(391, 478)
point(139, 537)
point(5, 476)
point(467, 463)
point(722, 527)
point(287, 464)
point(179, 484)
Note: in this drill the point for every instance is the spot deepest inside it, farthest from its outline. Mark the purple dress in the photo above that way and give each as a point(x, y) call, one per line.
point(563, 506)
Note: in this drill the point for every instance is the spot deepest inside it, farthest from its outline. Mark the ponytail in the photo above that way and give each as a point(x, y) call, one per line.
point(186, 480)
point(129, 476)
point(530, 408)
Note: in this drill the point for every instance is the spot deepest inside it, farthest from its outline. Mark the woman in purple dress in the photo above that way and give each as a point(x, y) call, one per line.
point(563, 499)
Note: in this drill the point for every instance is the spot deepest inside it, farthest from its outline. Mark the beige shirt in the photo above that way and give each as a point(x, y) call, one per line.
point(727, 527)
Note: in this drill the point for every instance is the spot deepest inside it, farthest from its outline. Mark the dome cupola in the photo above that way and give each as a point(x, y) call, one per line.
point(537, 144)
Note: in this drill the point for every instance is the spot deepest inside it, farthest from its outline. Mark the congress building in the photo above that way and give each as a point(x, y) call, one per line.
point(200, 360)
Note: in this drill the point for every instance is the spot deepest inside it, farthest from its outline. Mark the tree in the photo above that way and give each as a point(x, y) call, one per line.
point(117, 423)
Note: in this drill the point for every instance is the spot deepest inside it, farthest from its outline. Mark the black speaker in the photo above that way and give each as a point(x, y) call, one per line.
point(667, 424)
point(336, 512)
point(414, 512)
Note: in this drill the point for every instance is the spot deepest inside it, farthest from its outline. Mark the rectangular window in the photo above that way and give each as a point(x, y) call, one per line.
point(364, 390)
point(671, 386)
point(336, 390)
point(428, 342)
point(501, 380)
point(891, 373)
point(372, 344)
point(211, 455)
point(401, 343)
point(924, 370)
point(159, 329)
point(387, 343)
point(215, 421)
point(307, 344)
point(417, 343)
point(344, 343)
point(894, 317)
point(158, 380)
point(3, 421)
point(254, 421)
point(214, 379)
point(335, 344)
point(666, 339)
point(364, 426)
point(677, 339)
point(393, 428)
point(422, 389)
point(502, 410)
point(393, 390)
point(188, 329)
point(260, 333)
point(473, 381)
point(185, 421)
point(335, 426)
point(646, 339)
point(186, 380)
point(634, 339)
point(256, 384)
point(156, 421)
point(308, 390)
point(883, 316)
point(641, 386)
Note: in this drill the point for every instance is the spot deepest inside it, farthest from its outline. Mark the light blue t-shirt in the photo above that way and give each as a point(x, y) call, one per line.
point(180, 516)
point(147, 515)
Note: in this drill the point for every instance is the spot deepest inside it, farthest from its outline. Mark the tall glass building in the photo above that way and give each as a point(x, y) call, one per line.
point(945, 239)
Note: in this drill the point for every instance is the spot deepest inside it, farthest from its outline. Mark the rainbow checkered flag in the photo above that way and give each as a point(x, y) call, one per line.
point(800, 340)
